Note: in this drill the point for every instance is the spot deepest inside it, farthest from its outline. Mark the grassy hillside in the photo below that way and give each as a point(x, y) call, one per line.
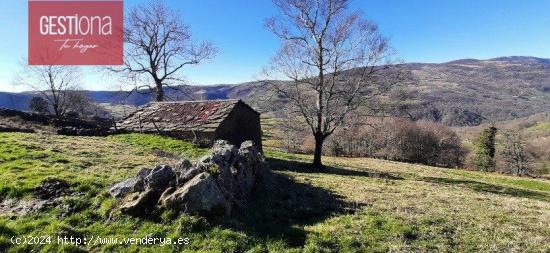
point(354, 205)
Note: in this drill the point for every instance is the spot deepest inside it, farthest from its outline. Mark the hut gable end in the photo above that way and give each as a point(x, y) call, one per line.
point(242, 124)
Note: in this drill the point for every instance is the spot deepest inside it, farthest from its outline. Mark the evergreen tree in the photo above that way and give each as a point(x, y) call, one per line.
point(485, 149)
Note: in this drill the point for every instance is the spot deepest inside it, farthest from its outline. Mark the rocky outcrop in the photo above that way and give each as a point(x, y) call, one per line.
point(218, 181)
point(234, 169)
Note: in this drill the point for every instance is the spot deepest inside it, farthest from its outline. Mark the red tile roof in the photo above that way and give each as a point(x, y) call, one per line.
point(181, 115)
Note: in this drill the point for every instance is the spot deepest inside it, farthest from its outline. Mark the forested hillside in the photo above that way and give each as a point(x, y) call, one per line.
point(458, 93)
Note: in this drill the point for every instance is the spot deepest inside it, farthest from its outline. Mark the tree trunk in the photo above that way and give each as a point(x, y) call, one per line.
point(160, 93)
point(317, 163)
point(56, 110)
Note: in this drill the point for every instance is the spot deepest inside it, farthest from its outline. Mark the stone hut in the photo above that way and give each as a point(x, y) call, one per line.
point(201, 122)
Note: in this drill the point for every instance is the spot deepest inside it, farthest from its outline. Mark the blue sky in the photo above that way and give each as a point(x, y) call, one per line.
point(420, 31)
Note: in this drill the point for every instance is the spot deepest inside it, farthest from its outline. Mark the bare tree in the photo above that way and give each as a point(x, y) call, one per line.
point(333, 58)
point(52, 82)
point(291, 133)
point(515, 154)
point(159, 45)
point(79, 101)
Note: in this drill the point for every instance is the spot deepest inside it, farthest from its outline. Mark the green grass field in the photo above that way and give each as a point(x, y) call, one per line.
point(354, 205)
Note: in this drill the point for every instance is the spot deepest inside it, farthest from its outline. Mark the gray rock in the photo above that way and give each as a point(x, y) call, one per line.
point(183, 166)
point(127, 186)
point(140, 204)
point(251, 164)
point(160, 178)
point(166, 194)
point(251, 157)
point(249, 154)
point(223, 153)
point(144, 173)
point(220, 164)
point(188, 175)
point(185, 171)
point(235, 170)
point(203, 162)
point(200, 195)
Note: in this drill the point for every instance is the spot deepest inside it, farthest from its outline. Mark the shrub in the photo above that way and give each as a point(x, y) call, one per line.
point(400, 140)
point(39, 105)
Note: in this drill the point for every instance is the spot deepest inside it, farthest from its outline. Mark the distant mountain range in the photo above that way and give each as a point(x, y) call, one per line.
point(461, 92)
point(466, 92)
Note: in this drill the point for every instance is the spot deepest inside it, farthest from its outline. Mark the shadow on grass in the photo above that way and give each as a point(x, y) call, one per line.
point(491, 188)
point(297, 166)
point(281, 207)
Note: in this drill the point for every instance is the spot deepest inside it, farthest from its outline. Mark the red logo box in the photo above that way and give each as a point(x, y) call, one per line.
point(73, 32)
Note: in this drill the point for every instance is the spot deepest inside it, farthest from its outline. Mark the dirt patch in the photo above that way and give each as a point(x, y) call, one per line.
point(51, 189)
point(23, 207)
point(46, 195)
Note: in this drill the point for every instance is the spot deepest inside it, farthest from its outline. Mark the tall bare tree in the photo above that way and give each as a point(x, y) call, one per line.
point(515, 153)
point(333, 58)
point(54, 83)
point(158, 46)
